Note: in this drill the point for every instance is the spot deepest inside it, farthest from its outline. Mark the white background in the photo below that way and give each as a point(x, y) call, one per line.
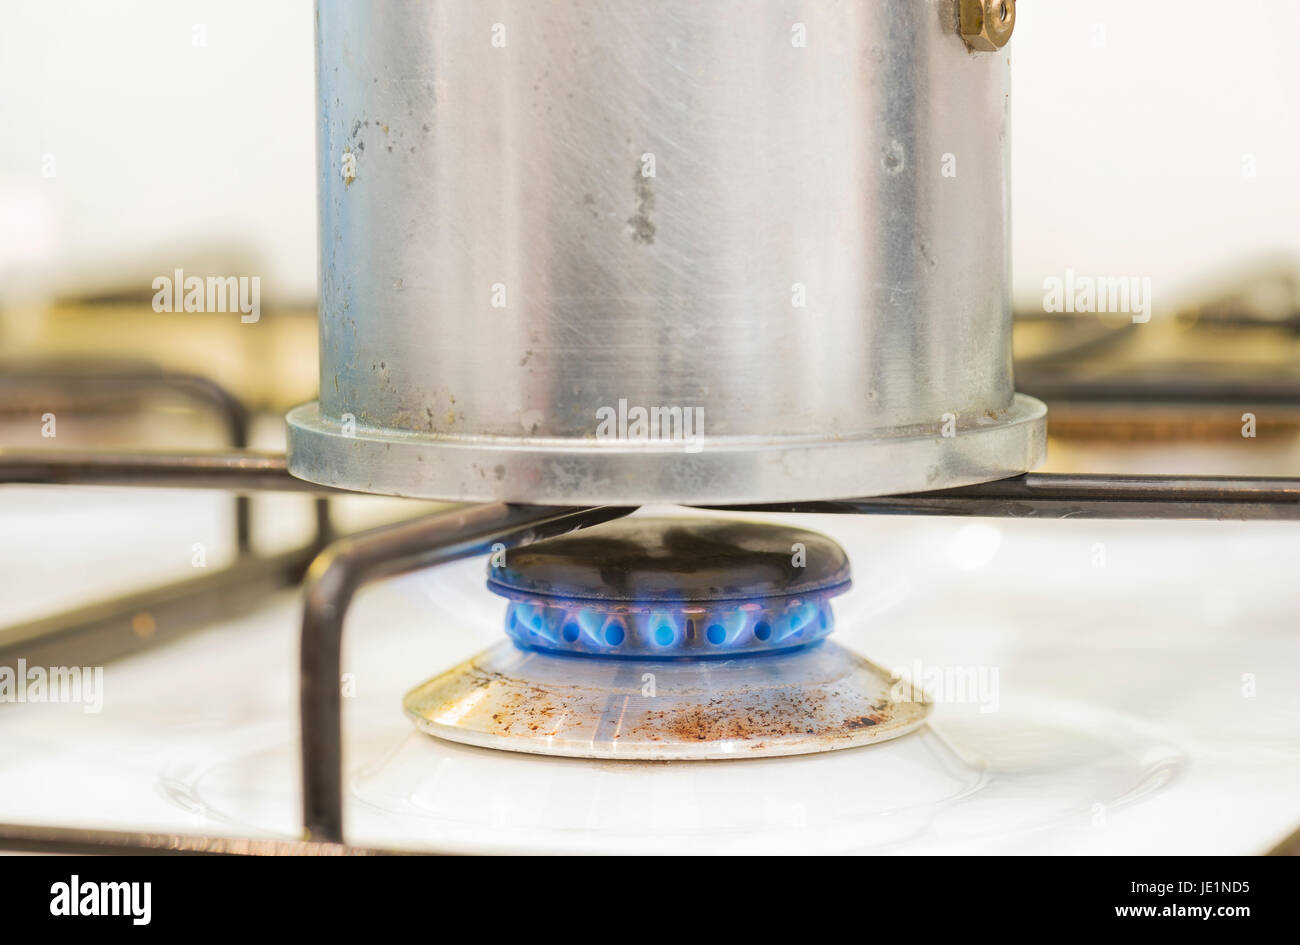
point(1132, 123)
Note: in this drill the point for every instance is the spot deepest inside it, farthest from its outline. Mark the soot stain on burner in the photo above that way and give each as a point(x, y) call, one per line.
point(862, 721)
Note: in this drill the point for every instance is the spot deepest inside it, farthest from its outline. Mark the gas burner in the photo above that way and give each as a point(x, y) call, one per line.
point(666, 588)
point(667, 638)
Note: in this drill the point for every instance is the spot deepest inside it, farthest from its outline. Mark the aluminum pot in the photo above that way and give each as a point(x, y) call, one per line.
point(695, 251)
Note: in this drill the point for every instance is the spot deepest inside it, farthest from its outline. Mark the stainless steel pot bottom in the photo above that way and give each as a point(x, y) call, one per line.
point(722, 470)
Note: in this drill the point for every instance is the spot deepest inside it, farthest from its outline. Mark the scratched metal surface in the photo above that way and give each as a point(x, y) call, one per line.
point(498, 266)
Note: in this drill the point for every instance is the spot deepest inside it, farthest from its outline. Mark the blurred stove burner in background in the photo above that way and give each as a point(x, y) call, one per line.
point(1227, 347)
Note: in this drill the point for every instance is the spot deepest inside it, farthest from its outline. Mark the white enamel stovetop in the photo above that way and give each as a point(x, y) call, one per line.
point(1147, 700)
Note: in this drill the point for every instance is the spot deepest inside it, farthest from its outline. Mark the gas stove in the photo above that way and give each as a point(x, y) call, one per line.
point(667, 352)
point(1060, 722)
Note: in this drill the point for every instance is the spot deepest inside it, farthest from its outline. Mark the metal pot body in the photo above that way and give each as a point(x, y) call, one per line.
point(598, 251)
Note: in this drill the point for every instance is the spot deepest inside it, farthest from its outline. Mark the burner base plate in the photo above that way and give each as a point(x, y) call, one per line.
point(819, 698)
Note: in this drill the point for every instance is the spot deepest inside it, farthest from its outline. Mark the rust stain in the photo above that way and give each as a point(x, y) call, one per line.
point(512, 706)
point(810, 713)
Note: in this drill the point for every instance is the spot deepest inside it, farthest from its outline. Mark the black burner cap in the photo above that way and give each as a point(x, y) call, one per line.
point(676, 560)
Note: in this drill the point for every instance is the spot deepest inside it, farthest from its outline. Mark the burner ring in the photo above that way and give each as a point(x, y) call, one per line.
point(672, 588)
point(728, 629)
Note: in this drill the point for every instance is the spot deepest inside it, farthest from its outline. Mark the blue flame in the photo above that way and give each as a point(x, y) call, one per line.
point(725, 628)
